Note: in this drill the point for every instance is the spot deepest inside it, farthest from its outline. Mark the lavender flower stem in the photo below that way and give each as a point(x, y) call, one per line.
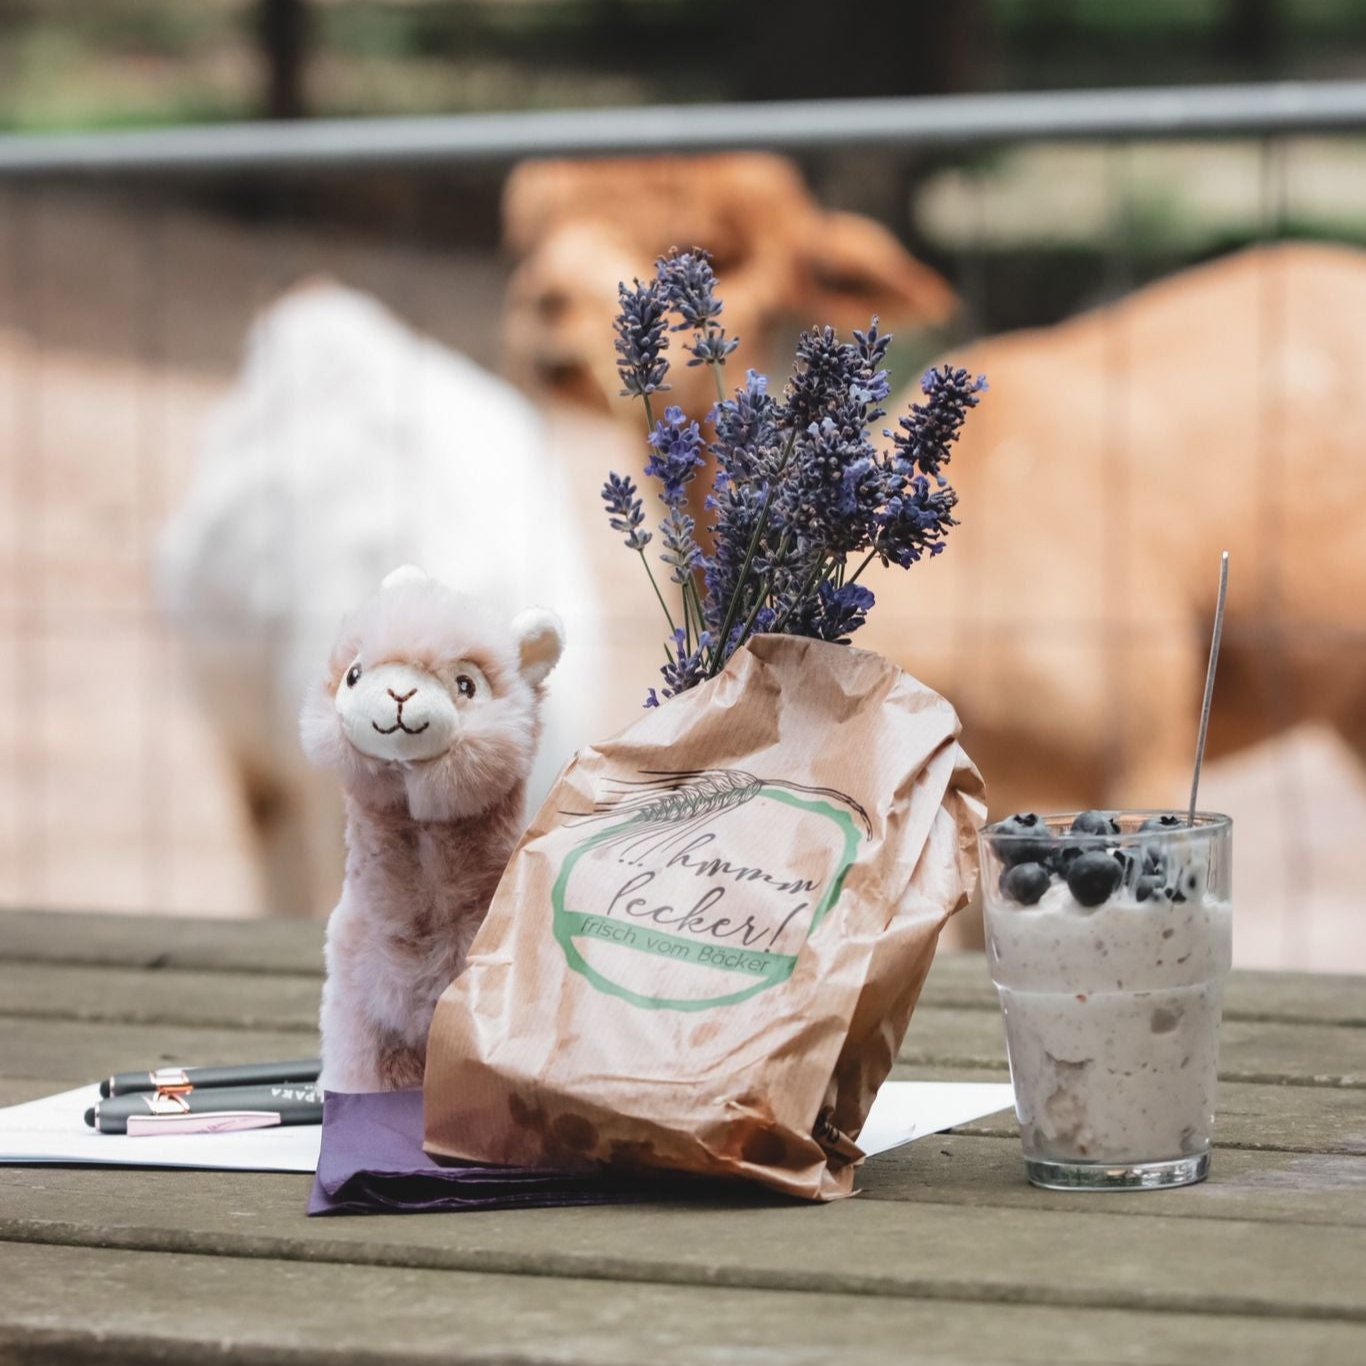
point(687, 618)
point(715, 368)
point(759, 528)
point(691, 603)
point(668, 616)
point(820, 571)
point(760, 598)
point(649, 413)
point(867, 560)
point(741, 581)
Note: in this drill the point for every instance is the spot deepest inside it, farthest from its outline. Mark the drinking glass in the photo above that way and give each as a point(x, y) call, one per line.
point(1109, 945)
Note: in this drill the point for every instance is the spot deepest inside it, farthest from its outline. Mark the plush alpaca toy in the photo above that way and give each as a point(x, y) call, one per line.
point(429, 713)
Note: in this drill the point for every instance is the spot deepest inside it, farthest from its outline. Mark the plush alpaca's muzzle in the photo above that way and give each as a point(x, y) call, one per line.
point(398, 713)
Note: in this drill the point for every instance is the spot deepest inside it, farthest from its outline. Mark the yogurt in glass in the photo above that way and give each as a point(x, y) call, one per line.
point(1109, 939)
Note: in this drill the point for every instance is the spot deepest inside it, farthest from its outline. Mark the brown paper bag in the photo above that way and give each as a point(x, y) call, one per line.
point(706, 949)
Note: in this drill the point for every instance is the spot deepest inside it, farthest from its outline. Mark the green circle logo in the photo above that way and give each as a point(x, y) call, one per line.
point(699, 890)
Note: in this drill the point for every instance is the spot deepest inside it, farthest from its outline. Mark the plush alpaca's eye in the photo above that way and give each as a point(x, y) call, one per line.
point(353, 676)
point(464, 685)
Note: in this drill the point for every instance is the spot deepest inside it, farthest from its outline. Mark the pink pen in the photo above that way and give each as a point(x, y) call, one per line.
point(219, 1122)
point(215, 1110)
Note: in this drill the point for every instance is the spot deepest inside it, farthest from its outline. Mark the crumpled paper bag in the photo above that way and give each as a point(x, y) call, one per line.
point(705, 951)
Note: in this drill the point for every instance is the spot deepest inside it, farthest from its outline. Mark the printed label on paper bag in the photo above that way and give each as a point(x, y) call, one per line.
point(686, 891)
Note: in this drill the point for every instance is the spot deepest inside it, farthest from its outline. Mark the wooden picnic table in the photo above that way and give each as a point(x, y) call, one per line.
point(948, 1255)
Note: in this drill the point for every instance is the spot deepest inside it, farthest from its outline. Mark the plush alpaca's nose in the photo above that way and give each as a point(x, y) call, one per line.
point(397, 713)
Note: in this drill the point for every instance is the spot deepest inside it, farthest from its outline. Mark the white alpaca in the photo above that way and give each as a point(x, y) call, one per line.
point(350, 445)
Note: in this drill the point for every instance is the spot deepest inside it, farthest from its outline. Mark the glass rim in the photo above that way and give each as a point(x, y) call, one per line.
point(1207, 824)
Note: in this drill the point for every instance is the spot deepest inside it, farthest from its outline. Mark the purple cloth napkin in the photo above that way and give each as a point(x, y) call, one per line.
point(372, 1163)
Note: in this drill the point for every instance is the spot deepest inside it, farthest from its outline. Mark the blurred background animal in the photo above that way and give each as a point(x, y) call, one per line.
point(350, 444)
point(1113, 458)
point(577, 228)
point(1121, 520)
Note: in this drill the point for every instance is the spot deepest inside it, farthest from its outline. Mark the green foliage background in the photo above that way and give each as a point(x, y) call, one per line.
point(118, 63)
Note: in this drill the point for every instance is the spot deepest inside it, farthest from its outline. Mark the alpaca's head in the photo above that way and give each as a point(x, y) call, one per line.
point(576, 228)
point(429, 701)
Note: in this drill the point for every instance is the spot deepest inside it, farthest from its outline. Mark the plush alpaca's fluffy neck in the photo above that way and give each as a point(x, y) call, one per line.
point(421, 877)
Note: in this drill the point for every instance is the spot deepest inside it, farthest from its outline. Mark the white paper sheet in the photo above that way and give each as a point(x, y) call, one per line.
point(53, 1130)
point(907, 1110)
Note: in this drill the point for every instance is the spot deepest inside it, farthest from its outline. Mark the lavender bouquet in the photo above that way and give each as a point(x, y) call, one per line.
point(800, 492)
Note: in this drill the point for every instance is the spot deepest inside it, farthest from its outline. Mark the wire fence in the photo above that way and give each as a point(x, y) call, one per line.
point(132, 264)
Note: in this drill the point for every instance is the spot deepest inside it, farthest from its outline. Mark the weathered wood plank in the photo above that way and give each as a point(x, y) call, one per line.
point(963, 1169)
point(1252, 1116)
point(150, 941)
point(957, 979)
point(1294, 1118)
point(961, 980)
point(1321, 1055)
point(65, 1304)
point(225, 1000)
point(127, 999)
point(1114, 1256)
point(245, 1214)
point(1306, 1054)
point(76, 1052)
point(230, 997)
point(16, 1090)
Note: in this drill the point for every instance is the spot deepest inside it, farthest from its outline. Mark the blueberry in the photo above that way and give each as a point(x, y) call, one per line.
point(1069, 850)
point(1154, 859)
point(1147, 887)
point(1027, 839)
point(1025, 882)
point(1095, 823)
point(1093, 876)
point(1162, 823)
point(1128, 863)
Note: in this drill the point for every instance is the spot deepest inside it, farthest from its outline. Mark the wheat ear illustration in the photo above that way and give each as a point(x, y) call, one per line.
point(664, 807)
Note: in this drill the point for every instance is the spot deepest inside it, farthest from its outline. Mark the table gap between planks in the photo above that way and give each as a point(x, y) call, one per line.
point(948, 1255)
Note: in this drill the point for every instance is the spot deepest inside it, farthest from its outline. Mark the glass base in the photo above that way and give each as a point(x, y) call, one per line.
point(1101, 1176)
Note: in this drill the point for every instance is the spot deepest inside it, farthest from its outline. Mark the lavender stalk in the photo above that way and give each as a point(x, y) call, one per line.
point(799, 490)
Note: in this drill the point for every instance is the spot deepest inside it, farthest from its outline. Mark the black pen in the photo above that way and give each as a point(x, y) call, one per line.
point(218, 1109)
point(188, 1078)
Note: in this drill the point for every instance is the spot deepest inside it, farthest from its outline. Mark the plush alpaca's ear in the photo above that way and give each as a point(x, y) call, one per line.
point(405, 573)
point(540, 639)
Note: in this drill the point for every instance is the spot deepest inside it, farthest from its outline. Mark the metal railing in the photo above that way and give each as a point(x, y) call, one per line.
point(787, 126)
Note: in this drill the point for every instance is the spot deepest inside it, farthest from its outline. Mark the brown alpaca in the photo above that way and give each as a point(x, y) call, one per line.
point(575, 228)
point(429, 713)
point(1116, 455)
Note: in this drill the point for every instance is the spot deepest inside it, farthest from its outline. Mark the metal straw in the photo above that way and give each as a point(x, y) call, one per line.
point(1209, 681)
